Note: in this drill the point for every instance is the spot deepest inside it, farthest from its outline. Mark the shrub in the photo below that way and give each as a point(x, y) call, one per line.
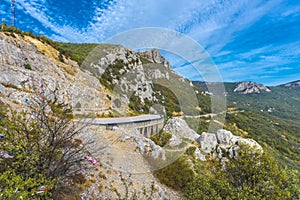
point(190, 151)
point(161, 139)
point(27, 66)
point(248, 176)
point(177, 174)
point(44, 149)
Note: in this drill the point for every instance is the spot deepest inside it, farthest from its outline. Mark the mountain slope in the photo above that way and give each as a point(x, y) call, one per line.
point(292, 84)
point(270, 117)
point(114, 80)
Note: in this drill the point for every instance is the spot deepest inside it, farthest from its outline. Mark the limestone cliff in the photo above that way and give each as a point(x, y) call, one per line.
point(154, 56)
point(28, 66)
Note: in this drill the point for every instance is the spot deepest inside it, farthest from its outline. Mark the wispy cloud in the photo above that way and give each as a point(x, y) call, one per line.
point(246, 38)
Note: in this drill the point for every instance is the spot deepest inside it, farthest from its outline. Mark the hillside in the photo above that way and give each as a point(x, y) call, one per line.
point(271, 117)
point(281, 101)
point(110, 81)
point(128, 85)
point(121, 73)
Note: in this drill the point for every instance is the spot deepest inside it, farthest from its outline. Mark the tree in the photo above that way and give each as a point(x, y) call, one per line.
point(44, 150)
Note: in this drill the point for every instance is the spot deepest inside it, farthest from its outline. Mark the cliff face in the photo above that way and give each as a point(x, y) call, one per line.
point(121, 70)
point(27, 66)
point(132, 77)
point(154, 56)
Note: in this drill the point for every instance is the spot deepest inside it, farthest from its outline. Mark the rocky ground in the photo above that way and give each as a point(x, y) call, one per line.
point(124, 155)
point(120, 158)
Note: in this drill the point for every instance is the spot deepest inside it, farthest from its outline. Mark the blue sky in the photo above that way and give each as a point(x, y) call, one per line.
point(255, 40)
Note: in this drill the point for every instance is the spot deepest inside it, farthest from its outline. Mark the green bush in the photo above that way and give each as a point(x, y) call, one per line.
point(177, 174)
point(161, 138)
point(191, 150)
point(27, 66)
point(43, 147)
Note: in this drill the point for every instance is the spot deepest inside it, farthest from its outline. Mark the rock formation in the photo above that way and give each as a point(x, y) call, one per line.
point(250, 87)
point(223, 142)
point(154, 56)
point(179, 129)
point(28, 65)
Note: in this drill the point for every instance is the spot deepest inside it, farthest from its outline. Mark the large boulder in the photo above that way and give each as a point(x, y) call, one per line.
point(179, 129)
point(208, 142)
point(224, 144)
point(145, 145)
point(224, 137)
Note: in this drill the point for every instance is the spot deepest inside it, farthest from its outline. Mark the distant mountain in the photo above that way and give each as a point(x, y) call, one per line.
point(271, 117)
point(250, 87)
point(293, 84)
point(279, 101)
point(246, 87)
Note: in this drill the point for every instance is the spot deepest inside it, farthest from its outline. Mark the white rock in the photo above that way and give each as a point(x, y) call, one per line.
point(180, 129)
point(224, 136)
point(199, 155)
point(208, 142)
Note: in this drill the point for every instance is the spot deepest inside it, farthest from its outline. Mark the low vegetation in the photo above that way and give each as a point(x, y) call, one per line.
point(176, 175)
point(248, 176)
point(77, 52)
point(39, 151)
point(161, 139)
point(281, 136)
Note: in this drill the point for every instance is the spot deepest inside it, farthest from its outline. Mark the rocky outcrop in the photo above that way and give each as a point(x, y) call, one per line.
point(208, 142)
point(154, 56)
point(28, 66)
point(147, 146)
point(122, 71)
point(223, 143)
point(250, 87)
point(179, 129)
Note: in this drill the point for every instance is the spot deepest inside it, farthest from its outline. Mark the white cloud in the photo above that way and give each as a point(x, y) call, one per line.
point(214, 24)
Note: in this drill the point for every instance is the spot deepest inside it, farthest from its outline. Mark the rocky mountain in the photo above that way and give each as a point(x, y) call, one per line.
point(154, 56)
point(140, 80)
point(250, 87)
point(246, 87)
point(111, 80)
point(29, 65)
point(125, 83)
point(294, 84)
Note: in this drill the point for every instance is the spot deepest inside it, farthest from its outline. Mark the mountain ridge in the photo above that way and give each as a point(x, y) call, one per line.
point(292, 84)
